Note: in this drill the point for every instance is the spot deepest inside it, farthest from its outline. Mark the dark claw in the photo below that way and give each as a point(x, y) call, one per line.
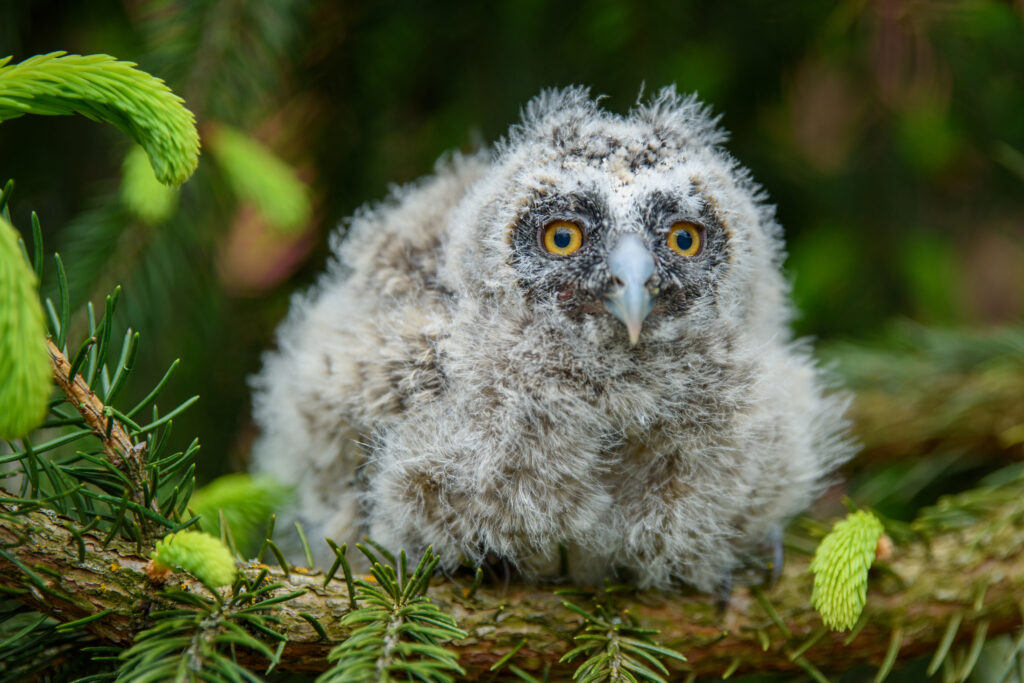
point(450, 576)
point(506, 569)
point(498, 570)
point(773, 570)
point(723, 594)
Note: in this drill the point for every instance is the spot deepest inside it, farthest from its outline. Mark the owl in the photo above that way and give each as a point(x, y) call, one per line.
point(570, 351)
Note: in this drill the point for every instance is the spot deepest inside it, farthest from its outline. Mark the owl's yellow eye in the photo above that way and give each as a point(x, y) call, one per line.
point(562, 237)
point(684, 239)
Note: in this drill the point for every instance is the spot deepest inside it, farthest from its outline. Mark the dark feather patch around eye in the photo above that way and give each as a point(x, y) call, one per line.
point(689, 244)
point(557, 243)
point(584, 209)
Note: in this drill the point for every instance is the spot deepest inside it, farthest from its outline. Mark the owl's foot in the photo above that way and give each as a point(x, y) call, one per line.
point(766, 574)
point(496, 572)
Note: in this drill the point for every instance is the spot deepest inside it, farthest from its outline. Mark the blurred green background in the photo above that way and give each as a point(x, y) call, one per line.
point(890, 134)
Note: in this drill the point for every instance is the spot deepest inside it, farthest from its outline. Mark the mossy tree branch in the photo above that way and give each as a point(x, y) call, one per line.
point(974, 575)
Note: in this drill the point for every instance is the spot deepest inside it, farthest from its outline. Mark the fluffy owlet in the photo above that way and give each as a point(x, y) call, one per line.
point(576, 341)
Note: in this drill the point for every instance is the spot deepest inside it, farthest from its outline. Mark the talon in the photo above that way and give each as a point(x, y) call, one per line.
point(723, 594)
point(773, 568)
point(498, 570)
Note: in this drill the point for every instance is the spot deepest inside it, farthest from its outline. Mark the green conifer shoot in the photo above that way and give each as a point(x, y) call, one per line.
point(258, 176)
point(197, 552)
point(147, 198)
point(24, 363)
point(840, 567)
point(105, 89)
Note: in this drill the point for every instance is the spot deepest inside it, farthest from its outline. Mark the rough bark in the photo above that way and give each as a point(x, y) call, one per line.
point(977, 573)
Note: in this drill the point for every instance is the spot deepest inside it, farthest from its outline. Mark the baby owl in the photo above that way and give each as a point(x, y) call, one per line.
point(574, 341)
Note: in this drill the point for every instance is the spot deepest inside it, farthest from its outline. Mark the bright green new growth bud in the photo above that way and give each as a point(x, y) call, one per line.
point(840, 567)
point(197, 552)
point(147, 198)
point(258, 176)
point(104, 89)
point(246, 503)
point(25, 379)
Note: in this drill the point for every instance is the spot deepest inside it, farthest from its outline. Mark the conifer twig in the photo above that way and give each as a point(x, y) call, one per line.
point(122, 452)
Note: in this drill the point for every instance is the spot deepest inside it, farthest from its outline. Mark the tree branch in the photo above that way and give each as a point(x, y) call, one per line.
point(976, 573)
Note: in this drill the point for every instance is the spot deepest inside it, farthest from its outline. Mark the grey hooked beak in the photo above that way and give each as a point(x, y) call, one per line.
point(632, 265)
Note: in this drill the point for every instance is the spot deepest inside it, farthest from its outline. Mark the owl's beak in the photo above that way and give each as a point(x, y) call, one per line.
point(631, 266)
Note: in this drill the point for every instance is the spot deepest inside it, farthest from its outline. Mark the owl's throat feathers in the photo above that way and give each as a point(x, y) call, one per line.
point(630, 298)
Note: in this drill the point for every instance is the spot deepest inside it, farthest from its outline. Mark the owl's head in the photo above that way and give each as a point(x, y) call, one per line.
point(640, 224)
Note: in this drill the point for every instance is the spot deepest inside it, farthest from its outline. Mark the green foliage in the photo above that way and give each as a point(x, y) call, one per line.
point(31, 643)
point(397, 633)
point(994, 501)
point(231, 59)
point(91, 480)
point(935, 411)
point(930, 262)
point(24, 363)
point(197, 552)
point(925, 136)
point(616, 646)
point(104, 492)
point(104, 89)
point(143, 195)
point(840, 567)
point(196, 640)
point(136, 493)
point(259, 177)
point(245, 502)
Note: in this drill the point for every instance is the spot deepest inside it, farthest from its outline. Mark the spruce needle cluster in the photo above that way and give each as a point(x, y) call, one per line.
point(397, 631)
point(616, 646)
point(195, 640)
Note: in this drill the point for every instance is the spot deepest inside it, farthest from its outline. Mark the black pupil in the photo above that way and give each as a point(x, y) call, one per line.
point(684, 240)
point(563, 238)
